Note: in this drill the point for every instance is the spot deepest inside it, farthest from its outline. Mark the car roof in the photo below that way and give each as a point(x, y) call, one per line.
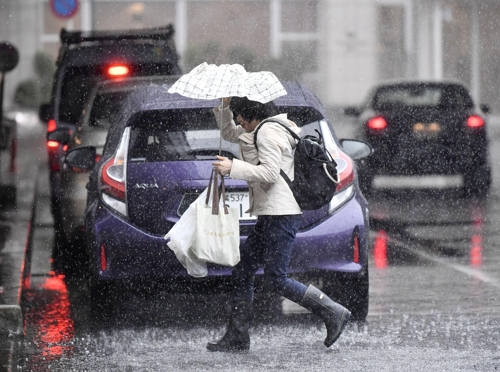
point(127, 83)
point(150, 97)
point(129, 52)
point(430, 83)
point(155, 96)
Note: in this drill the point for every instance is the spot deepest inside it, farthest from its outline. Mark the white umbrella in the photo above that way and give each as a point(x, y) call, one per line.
point(211, 81)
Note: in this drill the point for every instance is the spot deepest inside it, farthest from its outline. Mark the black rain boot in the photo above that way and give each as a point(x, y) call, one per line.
point(333, 314)
point(236, 337)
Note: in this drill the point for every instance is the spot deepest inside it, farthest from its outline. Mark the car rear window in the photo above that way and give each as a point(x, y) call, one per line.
point(77, 84)
point(434, 96)
point(104, 107)
point(187, 134)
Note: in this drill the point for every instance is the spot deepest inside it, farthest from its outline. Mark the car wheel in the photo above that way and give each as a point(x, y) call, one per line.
point(350, 291)
point(60, 251)
point(76, 262)
point(477, 183)
point(100, 296)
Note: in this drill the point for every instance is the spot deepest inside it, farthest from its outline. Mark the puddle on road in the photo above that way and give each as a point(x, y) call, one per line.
point(443, 223)
point(48, 322)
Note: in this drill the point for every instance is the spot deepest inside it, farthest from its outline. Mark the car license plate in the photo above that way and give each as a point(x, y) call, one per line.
point(240, 201)
point(426, 130)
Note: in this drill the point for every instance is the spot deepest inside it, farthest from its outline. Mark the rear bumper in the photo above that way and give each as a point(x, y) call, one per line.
point(441, 160)
point(133, 254)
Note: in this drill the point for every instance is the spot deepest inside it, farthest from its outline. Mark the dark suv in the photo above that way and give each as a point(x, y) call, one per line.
point(88, 57)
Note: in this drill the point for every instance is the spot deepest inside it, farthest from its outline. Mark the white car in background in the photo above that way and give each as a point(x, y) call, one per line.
point(97, 117)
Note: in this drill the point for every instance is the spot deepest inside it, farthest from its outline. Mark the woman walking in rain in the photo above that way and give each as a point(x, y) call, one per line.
point(279, 216)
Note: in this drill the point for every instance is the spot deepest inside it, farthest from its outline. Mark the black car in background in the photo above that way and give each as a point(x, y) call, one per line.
point(419, 130)
point(86, 58)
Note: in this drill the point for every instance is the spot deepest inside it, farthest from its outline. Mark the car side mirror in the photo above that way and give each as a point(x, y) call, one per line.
point(356, 149)
point(45, 112)
point(81, 159)
point(352, 111)
point(485, 108)
point(60, 135)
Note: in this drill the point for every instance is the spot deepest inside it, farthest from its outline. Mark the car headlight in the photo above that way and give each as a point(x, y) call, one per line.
point(340, 198)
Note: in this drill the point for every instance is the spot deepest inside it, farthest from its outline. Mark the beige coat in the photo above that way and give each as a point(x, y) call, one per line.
point(269, 192)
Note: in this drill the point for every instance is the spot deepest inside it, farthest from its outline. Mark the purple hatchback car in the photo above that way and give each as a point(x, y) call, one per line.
point(157, 160)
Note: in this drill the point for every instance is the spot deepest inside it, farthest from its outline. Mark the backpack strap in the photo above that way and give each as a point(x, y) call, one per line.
point(293, 134)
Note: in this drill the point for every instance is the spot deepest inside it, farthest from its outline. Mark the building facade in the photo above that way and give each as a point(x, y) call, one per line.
point(339, 48)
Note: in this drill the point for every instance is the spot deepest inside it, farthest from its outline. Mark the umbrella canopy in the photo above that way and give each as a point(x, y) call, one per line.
point(211, 81)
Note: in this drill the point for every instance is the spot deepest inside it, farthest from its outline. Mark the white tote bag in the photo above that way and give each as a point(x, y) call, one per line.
point(217, 237)
point(182, 236)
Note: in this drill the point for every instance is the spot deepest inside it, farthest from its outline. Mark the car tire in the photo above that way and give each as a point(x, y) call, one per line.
point(477, 183)
point(76, 262)
point(101, 303)
point(351, 291)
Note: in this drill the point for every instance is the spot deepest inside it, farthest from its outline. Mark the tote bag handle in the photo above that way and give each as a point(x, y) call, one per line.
point(213, 187)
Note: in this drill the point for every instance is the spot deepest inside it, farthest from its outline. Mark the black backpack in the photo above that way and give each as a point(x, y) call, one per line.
point(315, 171)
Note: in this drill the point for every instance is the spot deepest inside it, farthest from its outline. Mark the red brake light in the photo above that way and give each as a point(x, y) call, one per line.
point(475, 121)
point(377, 123)
point(52, 144)
point(380, 250)
point(347, 174)
point(112, 186)
point(104, 263)
point(355, 248)
point(51, 125)
point(118, 70)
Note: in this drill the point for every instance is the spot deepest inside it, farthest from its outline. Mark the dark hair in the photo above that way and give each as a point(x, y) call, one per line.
point(250, 110)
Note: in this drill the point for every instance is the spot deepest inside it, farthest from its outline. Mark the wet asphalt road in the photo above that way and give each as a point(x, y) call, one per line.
point(434, 304)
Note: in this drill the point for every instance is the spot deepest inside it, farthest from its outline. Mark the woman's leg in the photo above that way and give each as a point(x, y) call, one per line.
point(237, 337)
point(251, 253)
point(279, 233)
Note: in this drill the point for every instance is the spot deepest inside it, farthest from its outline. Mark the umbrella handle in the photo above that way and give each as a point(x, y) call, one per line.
point(220, 130)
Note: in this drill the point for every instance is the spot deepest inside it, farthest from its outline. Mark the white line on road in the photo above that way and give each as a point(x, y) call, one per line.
point(461, 268)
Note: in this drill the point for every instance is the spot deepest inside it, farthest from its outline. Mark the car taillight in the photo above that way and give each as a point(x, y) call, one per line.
point(113, 178)
point(377, 123)
point(118, 71)
point(51, 125)
point(345, 187)
point(55, 150)
point(113, 186)
point(345, 169)
point(346, 174)
point(475, 121)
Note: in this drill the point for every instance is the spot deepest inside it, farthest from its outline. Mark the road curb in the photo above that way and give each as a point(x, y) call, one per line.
point(17, 226)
